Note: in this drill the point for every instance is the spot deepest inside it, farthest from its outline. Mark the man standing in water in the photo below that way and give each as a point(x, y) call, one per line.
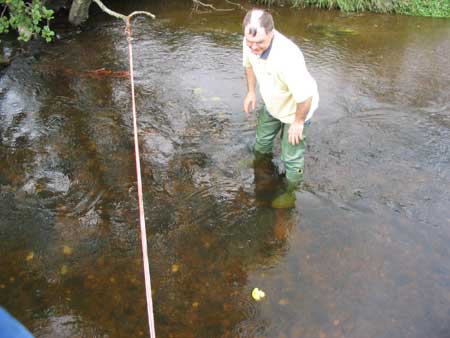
point(289, 92)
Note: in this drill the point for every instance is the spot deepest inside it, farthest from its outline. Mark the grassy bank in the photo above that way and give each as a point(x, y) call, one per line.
point(434, 8)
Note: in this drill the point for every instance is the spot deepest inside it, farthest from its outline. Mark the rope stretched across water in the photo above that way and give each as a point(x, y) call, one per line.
point(148, 287)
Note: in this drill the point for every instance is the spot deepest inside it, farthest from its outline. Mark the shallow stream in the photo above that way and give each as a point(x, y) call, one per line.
point(365, 253)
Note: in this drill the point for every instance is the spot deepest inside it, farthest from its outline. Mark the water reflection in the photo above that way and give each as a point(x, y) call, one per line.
point(365, 252)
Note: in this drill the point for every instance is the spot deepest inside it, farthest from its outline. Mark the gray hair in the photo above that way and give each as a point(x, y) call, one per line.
point(265, 21)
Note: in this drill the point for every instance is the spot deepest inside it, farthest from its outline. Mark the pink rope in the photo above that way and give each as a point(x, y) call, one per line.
point(148, 287)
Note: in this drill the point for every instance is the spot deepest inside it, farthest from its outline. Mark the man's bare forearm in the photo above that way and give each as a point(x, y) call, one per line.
point(251, 79)
point(303, 110)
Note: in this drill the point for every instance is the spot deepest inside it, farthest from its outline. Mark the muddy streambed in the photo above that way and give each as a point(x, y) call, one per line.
point(364, 253)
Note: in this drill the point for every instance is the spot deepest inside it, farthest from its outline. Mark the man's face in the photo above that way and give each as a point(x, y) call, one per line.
point(260, 42)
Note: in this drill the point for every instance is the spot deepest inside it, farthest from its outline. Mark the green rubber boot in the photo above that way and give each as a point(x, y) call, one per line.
point(284, 201)
point(287, 199)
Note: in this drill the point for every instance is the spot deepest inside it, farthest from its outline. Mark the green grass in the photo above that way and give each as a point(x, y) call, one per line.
point(434, 8)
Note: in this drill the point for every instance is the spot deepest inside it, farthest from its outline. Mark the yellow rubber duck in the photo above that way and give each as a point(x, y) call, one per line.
point(258, 294)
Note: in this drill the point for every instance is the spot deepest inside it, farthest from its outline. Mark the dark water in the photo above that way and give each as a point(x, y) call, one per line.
point(365, 253)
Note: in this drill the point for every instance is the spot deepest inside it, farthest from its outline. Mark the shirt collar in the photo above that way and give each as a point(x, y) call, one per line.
point(265, 54)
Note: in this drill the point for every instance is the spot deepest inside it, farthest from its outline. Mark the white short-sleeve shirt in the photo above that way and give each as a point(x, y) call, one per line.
point(283, 78)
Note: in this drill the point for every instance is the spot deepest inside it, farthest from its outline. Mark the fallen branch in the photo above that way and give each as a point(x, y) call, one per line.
point(121, 16)
point(198, 3)
point(141, 13)
point(237, 5)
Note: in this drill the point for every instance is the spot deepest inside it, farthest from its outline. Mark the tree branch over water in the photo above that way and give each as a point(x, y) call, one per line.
point(121, 16)
point(237, 5)
point(198, 3)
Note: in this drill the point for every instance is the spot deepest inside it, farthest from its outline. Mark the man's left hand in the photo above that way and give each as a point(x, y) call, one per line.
point(295, 133)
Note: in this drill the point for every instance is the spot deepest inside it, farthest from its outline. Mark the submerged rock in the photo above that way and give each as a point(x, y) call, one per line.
point(331, 31)
point(4, 63)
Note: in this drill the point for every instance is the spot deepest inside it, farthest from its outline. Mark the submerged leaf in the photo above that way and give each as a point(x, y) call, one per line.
point(30, 256)
point(64, 269)
point(283, 301)
point(175, 268)
point(67, 250)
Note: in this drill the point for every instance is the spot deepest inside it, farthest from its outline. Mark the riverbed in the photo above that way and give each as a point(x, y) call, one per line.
point(363, 254)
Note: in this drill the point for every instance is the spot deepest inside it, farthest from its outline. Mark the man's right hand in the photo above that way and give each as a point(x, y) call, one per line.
point(250, 102)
